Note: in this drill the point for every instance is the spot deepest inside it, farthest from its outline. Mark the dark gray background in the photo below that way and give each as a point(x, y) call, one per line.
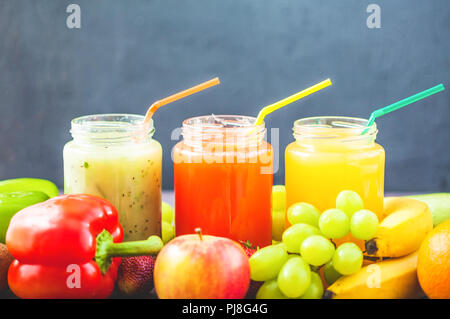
point(129, 53)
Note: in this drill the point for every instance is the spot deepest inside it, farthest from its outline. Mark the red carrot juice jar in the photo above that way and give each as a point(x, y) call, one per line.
point(223, 179)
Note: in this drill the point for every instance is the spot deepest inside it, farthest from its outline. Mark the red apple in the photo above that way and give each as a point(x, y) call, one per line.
point(201, 267)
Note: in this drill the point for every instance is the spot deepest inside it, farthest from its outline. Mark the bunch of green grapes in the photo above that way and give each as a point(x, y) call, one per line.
point(290, 269)
point(167, 223)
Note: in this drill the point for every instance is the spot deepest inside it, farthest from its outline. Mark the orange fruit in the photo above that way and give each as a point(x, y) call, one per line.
point(433, 263)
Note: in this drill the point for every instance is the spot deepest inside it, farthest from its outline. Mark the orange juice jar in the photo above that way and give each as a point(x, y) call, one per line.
point(330, 155)
point(223, 179)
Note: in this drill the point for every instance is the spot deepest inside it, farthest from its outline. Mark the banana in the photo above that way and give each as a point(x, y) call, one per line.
point(406, 223)
point(389, 279)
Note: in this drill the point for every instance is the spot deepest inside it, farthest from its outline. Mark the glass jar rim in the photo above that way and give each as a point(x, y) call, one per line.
point(227, 129)
point(327, 127)
point(219, 122)
point(99, 121)
point(120, 126)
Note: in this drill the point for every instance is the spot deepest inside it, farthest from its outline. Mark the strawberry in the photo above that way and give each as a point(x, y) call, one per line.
point(248, 248)
point(135, 275)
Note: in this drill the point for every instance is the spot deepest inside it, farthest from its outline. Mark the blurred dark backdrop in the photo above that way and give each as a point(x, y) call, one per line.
point(129, 53)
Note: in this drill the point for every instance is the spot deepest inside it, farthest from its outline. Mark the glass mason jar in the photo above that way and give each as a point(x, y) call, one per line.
point(330, 155)
point(223, 179)
point(114, 156)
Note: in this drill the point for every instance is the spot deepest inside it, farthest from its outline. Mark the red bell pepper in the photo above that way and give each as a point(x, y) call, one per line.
point(64, 248)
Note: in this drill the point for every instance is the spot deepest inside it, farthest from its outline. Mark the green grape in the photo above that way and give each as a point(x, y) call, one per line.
point(296, 234)
point(347, 259)
point(278, 223)
point(349, 202)
point(330, 274)
point(334, 223)
point(265, 263)
point(294, 277)
point(167, 232)
point(364, 224)
point(303, 213)
point(279, 198)
point(270, 290)
point(166, 212)
point(317, 250)
point(315, 289)
point(292, 256)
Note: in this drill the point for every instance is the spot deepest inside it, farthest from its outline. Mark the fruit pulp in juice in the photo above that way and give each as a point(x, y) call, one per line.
point(228, 199)
point(318, 172)
point(128, 176)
